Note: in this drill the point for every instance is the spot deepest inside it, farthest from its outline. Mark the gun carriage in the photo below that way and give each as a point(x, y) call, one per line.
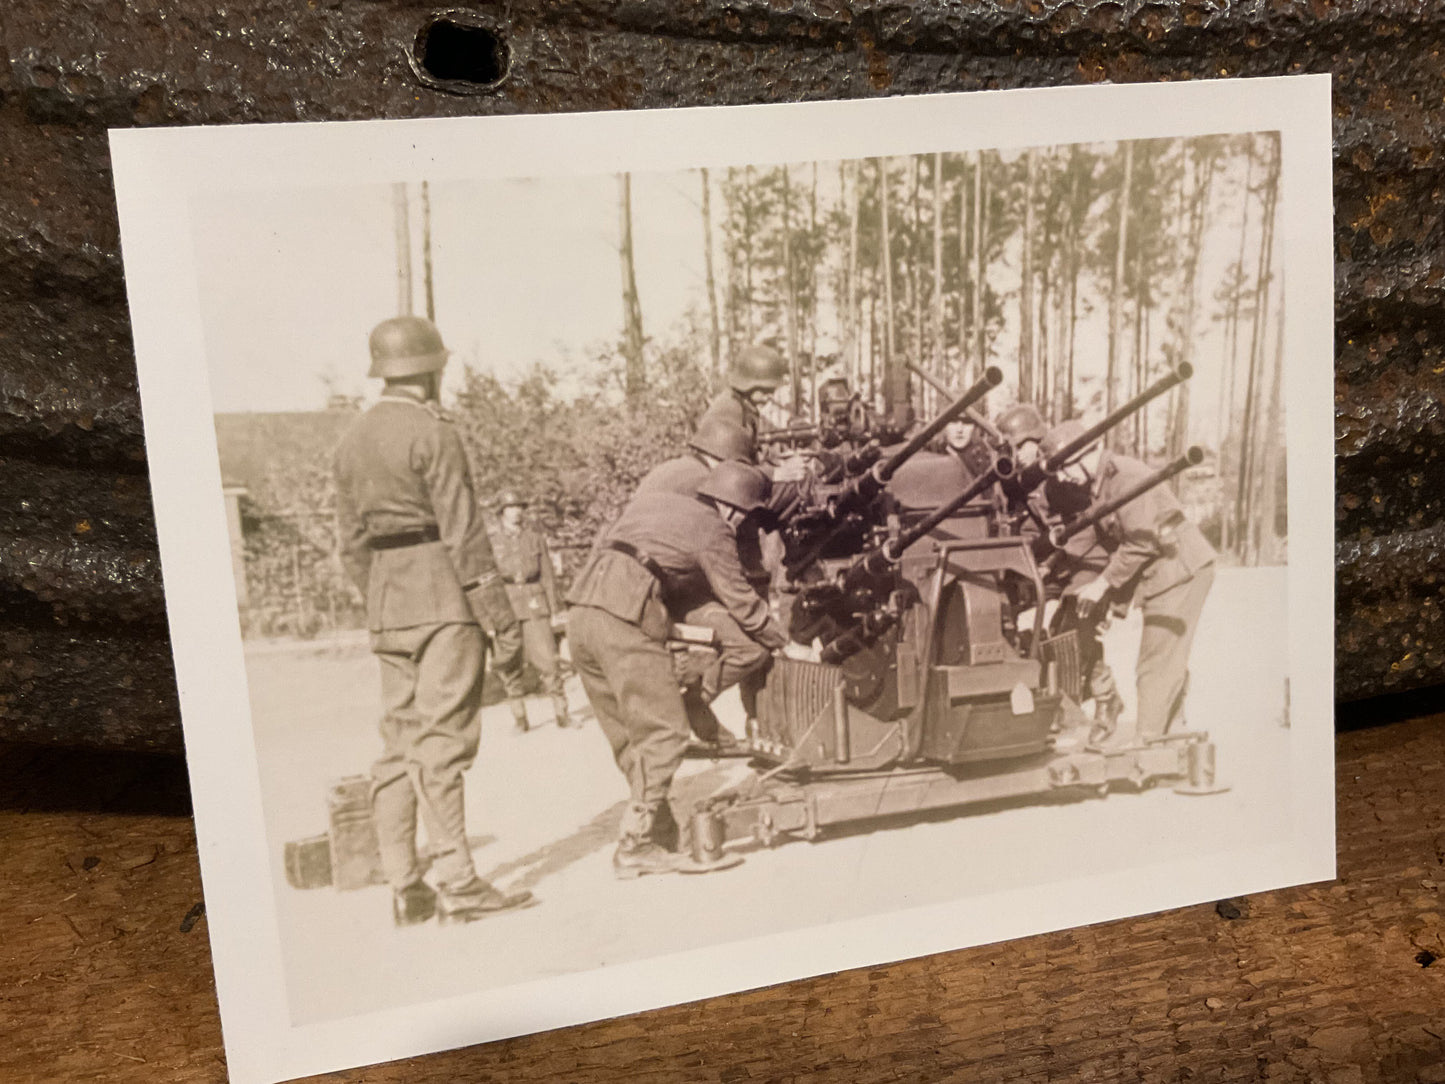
point(934, 680)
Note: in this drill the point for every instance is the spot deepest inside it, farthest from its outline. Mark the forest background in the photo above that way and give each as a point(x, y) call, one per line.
point(1083, 271)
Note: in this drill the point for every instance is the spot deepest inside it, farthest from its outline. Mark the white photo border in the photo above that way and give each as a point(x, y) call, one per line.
point(159, 171)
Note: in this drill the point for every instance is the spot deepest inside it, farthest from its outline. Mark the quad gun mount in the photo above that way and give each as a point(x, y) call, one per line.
point(933, 680)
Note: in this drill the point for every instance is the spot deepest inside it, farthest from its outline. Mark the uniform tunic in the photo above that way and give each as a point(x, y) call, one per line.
point(683, 555)
point(401, 477)
point(525, 564)
point(1160, 557)
point(740, 659)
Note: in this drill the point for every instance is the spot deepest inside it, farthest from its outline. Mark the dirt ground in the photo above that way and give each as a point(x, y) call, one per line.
point(543, 809)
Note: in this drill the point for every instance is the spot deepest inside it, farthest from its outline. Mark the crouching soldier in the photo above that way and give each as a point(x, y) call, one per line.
point(1069, 570)
point(665, 550)
point(414, 543)
point(1157, 557)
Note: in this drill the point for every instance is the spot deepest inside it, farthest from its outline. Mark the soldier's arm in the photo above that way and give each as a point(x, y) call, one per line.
point(1140, 542)
point(351, 532)
point(718, 558)
point(459, 522)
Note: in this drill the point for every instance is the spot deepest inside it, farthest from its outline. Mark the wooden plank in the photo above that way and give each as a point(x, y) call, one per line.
point(1334, 983)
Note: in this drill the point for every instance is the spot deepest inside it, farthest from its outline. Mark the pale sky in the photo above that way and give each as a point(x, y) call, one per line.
point(526, 271)
point(292, 282)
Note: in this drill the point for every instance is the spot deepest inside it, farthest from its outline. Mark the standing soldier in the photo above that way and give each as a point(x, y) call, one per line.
point(1157, 557)
point(525, 564)
point(664, 550)
point(413, 542)
point(754, 378)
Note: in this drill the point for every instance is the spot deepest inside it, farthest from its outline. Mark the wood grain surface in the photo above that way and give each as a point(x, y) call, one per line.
point(105, 971)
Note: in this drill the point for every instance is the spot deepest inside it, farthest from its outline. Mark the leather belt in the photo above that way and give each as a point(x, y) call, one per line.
point(518, 581)
point(627, 549)
point(419, 537)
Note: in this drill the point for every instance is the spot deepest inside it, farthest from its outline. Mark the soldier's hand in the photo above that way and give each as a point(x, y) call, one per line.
point(791, 468)
point(491, 607)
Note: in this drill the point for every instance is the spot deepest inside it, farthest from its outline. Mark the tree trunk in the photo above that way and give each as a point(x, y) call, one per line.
point(748, 255)
point(1231, 339)
point(885, 270)
point(402, 213)
point(958, 377)
point(1026, 387)
point(714, 340)
point(915, 272)
point(1248, 466)
point(426, 279)
point(1136, 383)
point(1271, 548)
point(937, 270)
point(1116, 292)
point(813, 260)
point(790, 296)
point(1202, 183)
point(631, 309)
point(1069, 406)
point(976, 298)
point(854, 329)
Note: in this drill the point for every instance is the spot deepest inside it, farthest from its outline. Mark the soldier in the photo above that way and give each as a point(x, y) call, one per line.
point(1023, 427)
point(664, 550)
point(414, 544)
point(715, 441)
point(1080, 562)
point(735, 658)
point(756, 375)
point(1157, 557)
point(525, 565)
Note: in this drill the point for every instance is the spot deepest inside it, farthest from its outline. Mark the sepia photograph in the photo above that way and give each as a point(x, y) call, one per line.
point(611, 571)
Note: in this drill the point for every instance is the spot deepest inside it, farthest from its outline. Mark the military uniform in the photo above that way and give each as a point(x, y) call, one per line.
point(1160, 559)
point(525, 565)
point(739, 659)
point(667, 553)
point(1081, 561)
point(412, 541)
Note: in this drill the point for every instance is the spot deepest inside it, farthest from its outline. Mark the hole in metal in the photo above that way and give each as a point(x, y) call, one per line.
point(453, 53)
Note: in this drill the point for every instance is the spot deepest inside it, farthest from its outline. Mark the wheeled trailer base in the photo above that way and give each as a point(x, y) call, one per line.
point(769, 806)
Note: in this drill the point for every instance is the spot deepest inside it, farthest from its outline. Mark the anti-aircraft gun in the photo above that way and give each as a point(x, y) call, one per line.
point(921, 691)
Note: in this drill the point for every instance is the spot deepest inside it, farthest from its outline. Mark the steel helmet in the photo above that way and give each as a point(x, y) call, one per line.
point(510, 498)
point(406, 346)
point(737, 484)
point(724, 440)
point(1063, 434)
point(758, 367)
point(1022, 422)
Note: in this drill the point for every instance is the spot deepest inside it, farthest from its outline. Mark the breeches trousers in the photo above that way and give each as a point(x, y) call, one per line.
point(431, 689)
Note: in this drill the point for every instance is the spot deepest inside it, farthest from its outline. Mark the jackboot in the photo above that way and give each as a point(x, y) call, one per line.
point(638, 851)
point(474, 899)
point(519, 716)
point(1106, 718)
point(559, 712)
point(413, 904)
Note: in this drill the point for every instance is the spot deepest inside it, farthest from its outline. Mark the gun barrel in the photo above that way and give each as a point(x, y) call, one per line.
point(1182, 372)
point(1002, 468)
point(991, 378)
point(1062, 533)
point(944, 390)
point(787, 434)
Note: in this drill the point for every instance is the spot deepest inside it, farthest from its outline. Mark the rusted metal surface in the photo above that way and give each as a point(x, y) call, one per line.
point(85, 655)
